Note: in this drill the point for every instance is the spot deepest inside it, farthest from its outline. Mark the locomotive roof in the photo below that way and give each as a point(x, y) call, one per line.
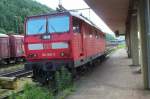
point(75, 14)
point(3, 35)
point(80, 16)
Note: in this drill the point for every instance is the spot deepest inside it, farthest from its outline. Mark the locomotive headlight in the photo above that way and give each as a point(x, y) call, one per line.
point(62, 54)
point(32, 55)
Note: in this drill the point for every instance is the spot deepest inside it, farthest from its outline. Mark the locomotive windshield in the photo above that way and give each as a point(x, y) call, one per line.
point(57, 24)
point(36, 26)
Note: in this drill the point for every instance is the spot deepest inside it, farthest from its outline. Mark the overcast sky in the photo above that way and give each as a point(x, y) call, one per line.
point(78, 4)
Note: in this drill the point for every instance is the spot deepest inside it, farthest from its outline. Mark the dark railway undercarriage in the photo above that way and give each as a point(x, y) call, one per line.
point(58, 74)
point(52, 73)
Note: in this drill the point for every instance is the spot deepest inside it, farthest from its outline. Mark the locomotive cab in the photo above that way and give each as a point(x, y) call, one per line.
point(47, 41)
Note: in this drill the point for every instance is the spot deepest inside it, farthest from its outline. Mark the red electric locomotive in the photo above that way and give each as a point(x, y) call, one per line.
point(61, 39)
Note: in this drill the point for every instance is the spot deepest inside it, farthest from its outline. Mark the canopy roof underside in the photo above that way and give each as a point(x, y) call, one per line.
point(113, 12)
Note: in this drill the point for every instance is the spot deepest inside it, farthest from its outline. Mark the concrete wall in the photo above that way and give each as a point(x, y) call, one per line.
point(144, 29)
point(134, 40)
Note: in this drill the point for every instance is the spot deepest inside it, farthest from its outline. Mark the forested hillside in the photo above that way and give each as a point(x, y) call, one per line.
point(109, 37)
point(13, 13)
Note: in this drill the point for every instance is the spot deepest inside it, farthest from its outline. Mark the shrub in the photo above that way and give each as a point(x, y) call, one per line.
point(33, 92)
point(63, 79)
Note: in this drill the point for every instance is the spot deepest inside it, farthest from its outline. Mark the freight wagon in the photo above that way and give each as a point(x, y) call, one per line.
point(17, 47)
point(11, 48)
point(4, 48)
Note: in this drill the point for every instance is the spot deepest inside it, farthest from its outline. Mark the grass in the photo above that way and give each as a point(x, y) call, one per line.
point(66, 92)
point(32, 91)
point(63, 79)
point(120, 46)
point(64, 87)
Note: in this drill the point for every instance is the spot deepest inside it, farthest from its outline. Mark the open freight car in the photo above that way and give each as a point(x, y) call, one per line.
point(62, 39)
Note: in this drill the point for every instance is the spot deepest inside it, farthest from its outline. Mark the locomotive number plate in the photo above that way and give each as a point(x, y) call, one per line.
point(48, 54)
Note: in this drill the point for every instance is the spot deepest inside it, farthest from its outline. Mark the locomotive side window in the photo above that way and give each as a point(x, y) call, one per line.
point(96, 35)
point(90, 32)
point(76, 25)
point(94, 32)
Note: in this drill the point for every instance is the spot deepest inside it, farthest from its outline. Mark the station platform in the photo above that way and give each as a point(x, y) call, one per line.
point(112, 79)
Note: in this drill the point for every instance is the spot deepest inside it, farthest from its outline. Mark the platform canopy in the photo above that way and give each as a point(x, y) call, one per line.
point(113, 12)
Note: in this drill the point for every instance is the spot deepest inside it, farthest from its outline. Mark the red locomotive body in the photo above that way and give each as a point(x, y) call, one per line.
point(4, 47)
point(61, 39)
point(16, 46)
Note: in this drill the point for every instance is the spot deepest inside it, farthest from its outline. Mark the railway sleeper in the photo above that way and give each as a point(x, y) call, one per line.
point(8, 83)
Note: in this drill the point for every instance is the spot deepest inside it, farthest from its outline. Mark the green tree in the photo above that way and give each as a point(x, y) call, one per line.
point(14, 12)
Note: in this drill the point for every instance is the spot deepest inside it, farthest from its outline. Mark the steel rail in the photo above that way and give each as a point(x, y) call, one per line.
point(18, 73)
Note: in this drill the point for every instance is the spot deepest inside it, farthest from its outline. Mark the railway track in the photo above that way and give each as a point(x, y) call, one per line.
point(19, 73)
